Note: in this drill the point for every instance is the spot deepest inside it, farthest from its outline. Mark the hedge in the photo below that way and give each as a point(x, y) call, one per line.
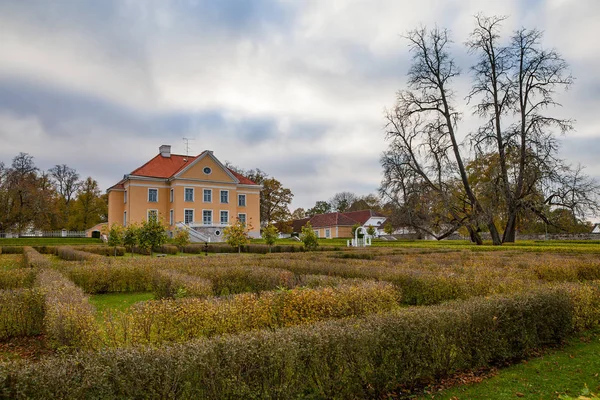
point(11, 249)
point(102, 277)
point(21, 313)
point(356, 358)
point(31, 258)
point(69, 319)
point(70, 254)
point(168, 284)
point(154, 322)
point(17, 278)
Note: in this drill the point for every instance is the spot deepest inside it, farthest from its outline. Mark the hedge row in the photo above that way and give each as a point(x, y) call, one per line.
point(102, 277)
point(31, 258)
point(11, 249)
point(355, 358)
point(17, 278)
point(155, 322)
point(168, 284)
point(199, 248)
point(21, 313)
point(70, 254)
point(69, 318)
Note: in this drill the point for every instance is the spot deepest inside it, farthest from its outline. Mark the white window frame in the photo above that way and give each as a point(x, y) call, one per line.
point(221, 196)
point(149, 189)
point(193, 215)
point(328, 233)
point(211, 217)
point(185, 189)
point(124, 218)
point(148, 213)
point(316, 231)
point(245, 221)
point(171, 195)
point(221, 217)
point(240, 197)
point(171, 214)
point(125, 196)
point(204, 192)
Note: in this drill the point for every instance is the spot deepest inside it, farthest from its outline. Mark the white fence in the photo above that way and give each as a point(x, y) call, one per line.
point(47, 234)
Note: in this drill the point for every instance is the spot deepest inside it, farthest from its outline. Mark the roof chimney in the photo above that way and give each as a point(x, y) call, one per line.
point(165, 150)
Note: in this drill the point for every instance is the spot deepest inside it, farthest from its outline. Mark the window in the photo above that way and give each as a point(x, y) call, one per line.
point(171, 195)
point(188, 216)
point(171, 217)
point(242, 218)
point(189, 194)
point(207, 170)
point(224, 217)
point(124, 218)
point(125, 197)
point(328, 233)
point(225, 196)
point(153, 195)
point(207, 196)
point(316, 232)
point(241, 200)
point(207, 217)
point(152, 215)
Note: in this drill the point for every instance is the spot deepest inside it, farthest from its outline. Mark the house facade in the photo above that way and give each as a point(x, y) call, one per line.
point(339, 225)
point(197, 193)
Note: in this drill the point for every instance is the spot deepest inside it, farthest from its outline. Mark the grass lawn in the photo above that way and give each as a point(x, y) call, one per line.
point(558, 372)
point(36, 241)
point(118, 301)
point(10, 261)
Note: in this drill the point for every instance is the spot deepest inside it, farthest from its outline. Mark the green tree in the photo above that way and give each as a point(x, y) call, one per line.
point(236, 235)
point(89, 208)
point(321, 207)
point(309, 237)
point(131, 237)
point(181, 238)
point(115, 236)
point(388, 228)
point(371, 230)
point(152, 234)
point(269, 234)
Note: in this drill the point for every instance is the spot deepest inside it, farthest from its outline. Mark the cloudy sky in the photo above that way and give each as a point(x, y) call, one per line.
point(295, 88)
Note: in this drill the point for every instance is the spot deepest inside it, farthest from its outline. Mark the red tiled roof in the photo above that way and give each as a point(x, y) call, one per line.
point(363, 216)
point(163, 167)
point(166, 167)
point(118, 186)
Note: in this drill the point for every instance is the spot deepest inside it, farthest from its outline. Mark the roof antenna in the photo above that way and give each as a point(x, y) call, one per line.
point(186, 142)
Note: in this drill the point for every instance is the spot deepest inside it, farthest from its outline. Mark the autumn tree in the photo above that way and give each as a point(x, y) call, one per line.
point(89, 208)
point(320, 207)
point(309, 237)
point(66, 183)
point(270, 234)
point(299, 213)
point(237, 235)
point(274, 202)
point(342, 201)
point(151, 234)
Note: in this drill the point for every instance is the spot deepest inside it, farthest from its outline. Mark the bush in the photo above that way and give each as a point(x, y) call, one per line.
point(12, 250)
point(169, 284)
point(69, 319)
point(21, 313)
point(33, 259)
point(154, 322)
point(70, 254)
point(166, 249)
point(356, 358)
point(17, 278)
point(110, 278)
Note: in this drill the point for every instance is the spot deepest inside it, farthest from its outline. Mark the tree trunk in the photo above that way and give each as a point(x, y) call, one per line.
point(510, 232)
point(475, 236)
point(496, 241)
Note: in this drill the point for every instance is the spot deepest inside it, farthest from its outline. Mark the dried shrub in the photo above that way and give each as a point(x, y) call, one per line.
point(11, 250)
point(154, 322)
point(69, 320)
point(102, 277)
point(17, 278)
point(168, 284)
point(21, 313)
point(33, 259)
point(356, 358)
point(70, 254)
point(166, 249)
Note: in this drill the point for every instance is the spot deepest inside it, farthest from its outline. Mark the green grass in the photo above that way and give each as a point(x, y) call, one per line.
point(10, 261)
point(47, 241)
point(118, 301)
point(559, 372)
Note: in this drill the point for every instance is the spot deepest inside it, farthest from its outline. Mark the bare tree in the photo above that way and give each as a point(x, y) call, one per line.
point(425, 121)
point(342, 201)
point(66, 181)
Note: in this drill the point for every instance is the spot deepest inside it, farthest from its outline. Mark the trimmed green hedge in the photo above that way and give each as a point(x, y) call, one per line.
point(70, 254)
point(31, 258)
point(355, 358)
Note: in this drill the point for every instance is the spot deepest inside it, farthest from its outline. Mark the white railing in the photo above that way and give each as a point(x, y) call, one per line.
point(195, 236)
point(44, 234)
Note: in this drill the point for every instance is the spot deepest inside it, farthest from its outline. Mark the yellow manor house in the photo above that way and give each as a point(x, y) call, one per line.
point(196, 193)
